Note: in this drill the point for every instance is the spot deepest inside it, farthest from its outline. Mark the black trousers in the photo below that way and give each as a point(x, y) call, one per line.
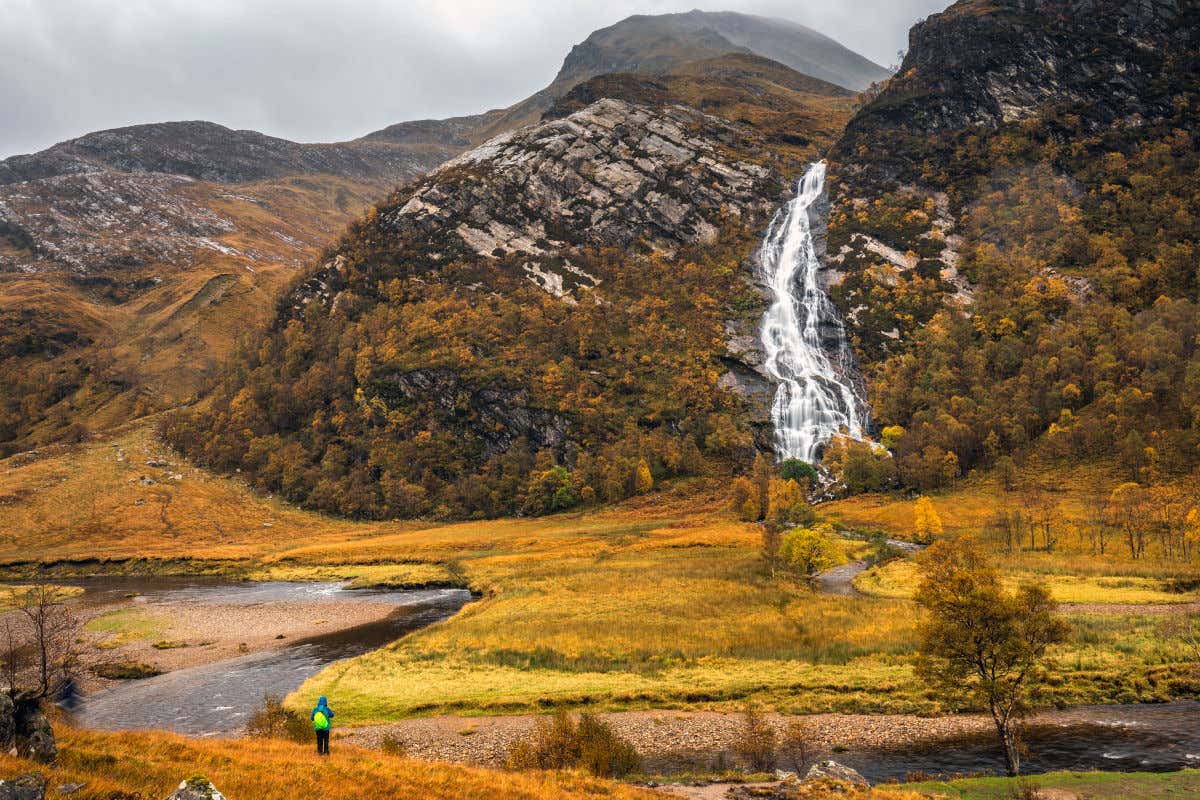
point(323, 743)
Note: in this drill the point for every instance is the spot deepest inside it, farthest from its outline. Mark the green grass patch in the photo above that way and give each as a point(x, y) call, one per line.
point(127, 625)
point(1089, 785)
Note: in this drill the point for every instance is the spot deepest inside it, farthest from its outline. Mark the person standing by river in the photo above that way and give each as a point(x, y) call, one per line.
point(322, 720)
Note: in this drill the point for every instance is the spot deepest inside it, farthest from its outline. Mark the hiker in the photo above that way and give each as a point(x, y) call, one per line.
point(322, 720)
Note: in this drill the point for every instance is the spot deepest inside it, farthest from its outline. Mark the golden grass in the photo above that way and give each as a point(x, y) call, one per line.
point(898, 579)
point(153, 764)
point(12, 597)
point(89, 502)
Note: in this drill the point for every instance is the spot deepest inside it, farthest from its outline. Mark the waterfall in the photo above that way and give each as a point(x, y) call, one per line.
point(805, 342)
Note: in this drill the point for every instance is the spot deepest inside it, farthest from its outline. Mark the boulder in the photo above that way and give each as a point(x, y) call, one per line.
point(8, 721)
point(833, 771)
point(26, 787)
point(37, 738)
point(196, 788)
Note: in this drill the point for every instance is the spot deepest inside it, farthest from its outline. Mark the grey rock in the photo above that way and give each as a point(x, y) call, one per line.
point(71, 788)
point(36, 739)
point(612, 174)
point(833, 771)
point(8, 721)
point(26, 787)
point(196, 788)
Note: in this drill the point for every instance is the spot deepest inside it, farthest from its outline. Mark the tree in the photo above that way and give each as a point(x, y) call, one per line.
point(643, 481)
point(981, 643)
point(743, 500)
point(40, 658)
point(786, 504)
point(809, 551)
point(927, 525)
point(798, 470)
point(762, 473)
point(1127, 507)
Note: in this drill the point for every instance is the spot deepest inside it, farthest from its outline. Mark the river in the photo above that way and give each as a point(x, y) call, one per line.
point(216, 699)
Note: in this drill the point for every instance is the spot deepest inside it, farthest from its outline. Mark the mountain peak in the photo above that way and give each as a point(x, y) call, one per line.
point(655, 43)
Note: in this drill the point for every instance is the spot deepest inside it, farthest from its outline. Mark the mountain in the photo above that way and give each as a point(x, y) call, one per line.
point(660, 43)
point(663, 43)
point(574, 299)
point(1013, 237)
point(131, 259)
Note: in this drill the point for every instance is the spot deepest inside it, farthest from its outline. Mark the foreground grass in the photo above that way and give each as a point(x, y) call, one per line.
point(1090, 785)
point(151, 765)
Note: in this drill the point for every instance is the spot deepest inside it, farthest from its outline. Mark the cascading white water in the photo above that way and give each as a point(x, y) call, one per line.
point(803, 336)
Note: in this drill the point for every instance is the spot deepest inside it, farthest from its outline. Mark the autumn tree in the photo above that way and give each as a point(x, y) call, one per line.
point(927, 525)
point(809, 551)
point(981, 644)
point(643, 481)
point(743, 500)
point(1127, 509)
point(786, 504)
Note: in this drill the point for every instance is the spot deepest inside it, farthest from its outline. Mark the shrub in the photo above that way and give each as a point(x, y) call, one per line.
point(796, 749)
point(125, 670)
point(793, 469)
point(561, 742)
point(757, 743)
point(393, 745)
point(272, 721)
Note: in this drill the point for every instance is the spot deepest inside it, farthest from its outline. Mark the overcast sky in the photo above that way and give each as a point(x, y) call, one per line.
point(327, 70)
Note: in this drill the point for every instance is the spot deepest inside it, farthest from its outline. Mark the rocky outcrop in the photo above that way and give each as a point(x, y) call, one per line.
point(835, 772)
point(26, 787)
point(497, 415)
point(24, 728)
point(196, 788)
point(613, 174)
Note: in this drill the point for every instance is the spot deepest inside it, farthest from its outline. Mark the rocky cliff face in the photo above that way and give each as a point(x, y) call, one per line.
point(976, 68)
point(612, 175)
point(1010, 216)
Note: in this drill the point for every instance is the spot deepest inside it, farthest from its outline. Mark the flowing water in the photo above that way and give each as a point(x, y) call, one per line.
point(806, 348)
point(216, 699)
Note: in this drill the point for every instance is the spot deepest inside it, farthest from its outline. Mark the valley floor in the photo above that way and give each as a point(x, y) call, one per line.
point(658, 606)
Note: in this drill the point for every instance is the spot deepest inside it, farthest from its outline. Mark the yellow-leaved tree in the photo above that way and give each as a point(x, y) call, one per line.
point(927, 525)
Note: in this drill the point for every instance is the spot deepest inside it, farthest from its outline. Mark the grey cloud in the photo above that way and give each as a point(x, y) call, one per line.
point(319, 70)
